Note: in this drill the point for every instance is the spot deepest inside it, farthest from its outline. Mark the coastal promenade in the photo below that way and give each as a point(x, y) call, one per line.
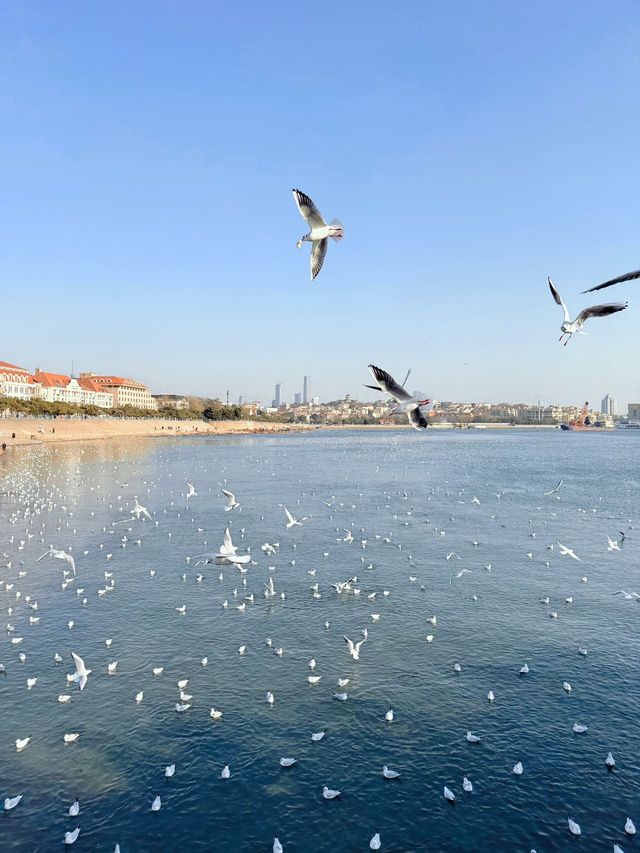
point(30, 431)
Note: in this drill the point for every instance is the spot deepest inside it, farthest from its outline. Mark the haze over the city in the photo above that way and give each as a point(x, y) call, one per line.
point(149, 152)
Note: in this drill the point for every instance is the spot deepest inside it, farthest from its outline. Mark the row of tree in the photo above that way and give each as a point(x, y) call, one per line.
point(208, 410)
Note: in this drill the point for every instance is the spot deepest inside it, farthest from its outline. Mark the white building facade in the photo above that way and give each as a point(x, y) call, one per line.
point(17, 382)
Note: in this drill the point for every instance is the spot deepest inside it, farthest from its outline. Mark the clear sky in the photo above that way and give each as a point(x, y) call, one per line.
point(149, 148)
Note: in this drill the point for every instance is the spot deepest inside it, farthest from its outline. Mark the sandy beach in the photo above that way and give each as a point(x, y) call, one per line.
point(29, 431)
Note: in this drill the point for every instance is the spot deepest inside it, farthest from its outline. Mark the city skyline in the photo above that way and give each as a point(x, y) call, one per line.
point(609, 404)
point(461, 185)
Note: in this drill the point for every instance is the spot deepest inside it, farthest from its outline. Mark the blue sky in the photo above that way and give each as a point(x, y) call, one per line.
point(470, 149)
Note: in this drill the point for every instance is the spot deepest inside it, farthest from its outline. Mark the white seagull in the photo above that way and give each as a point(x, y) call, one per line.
point(293, 522)
point(139, 510)
point(232, 503)
point(354, 648)
point(569, 327)
point(320, 232)
point(411, 406)
point(555, 489)
point(59, 555)
point(567, 552)
point(227, 553)
point(81, 674)
point(330, 794)
point(12, 802)
point(574, 827)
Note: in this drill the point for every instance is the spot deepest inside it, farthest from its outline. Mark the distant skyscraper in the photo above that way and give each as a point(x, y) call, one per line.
point(276, 401)
point(609, 405)
point(297, 399)
point(315, 401)
point(240, 400)
point(305, 390)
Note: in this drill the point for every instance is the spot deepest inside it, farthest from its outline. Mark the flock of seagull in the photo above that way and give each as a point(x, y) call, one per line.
point(42, 515)
point(415, 408)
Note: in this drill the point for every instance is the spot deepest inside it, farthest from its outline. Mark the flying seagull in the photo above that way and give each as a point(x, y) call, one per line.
point(59, 555)
point(82, 673)
point(569, 327)
point(232, 503)
point(412, 406)
point(555, 489)
point(567, 552)
point(320, 232)
point(629, 276)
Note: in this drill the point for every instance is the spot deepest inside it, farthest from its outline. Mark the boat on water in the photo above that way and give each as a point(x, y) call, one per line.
point(583, 423)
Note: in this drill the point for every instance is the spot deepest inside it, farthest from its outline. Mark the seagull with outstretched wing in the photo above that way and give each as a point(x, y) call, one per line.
point(232, 503)
point(555, 489)
point(628, 276)
point(569, 327)
point(59, 555)
point(81, 674)
point(320, 232)
point(406, 402)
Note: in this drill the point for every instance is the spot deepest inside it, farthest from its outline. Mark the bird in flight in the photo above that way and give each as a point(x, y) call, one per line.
point(232, 503)
point(569, 327)
point(59, 555)
point(555, 489)
point(628, 276)
point(320, 232)
point(407, 403)
point(567, 552)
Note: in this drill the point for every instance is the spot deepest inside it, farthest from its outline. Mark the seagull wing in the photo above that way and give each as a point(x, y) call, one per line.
point(350, 644)
point(46, 554)
point(80, 667)
point(228, 547)
point(600, 311)
point(389, 385)
point(629, 276)
point(318, 253)
point(558, 299)
point(417, 419)
point(308, 210)
point(290, 518)
point(229, 496)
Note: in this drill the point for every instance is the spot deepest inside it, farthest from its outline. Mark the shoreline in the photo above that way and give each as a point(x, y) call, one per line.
point(447, 426)
point(33, 431)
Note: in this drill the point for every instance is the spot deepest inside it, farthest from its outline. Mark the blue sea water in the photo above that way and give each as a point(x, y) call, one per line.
point(410, 497)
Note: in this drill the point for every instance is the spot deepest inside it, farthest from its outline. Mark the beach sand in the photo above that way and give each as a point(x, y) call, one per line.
point(37, 431)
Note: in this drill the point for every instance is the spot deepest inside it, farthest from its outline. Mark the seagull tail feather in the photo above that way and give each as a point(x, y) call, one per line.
point(336, 231)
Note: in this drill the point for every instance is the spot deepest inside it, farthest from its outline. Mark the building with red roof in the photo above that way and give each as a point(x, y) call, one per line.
point(17, 382)
point(125, 392)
